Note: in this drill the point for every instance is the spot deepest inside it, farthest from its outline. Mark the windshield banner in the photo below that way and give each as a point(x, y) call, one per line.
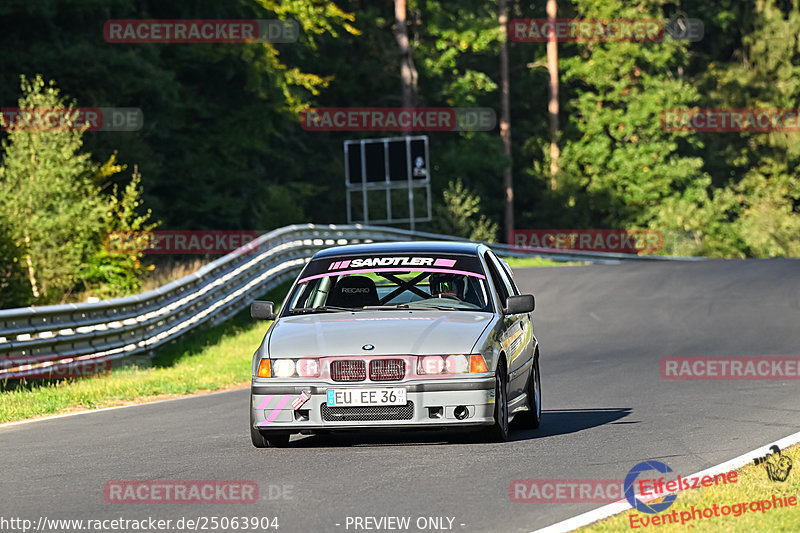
point(443, 263)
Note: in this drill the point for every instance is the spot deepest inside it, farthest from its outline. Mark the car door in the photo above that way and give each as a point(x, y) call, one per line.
point(527, 320)
point(512, 336)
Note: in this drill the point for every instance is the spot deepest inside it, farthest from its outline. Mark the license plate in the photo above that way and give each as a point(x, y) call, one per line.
point(366, 397)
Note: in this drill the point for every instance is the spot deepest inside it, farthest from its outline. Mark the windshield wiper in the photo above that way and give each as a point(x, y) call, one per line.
point(323, 308)
point(390, 306)
point(412, 307)
point(439, 307)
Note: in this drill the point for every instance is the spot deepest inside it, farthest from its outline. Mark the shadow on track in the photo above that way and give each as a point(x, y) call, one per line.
point(565, 421)
point(554, 422)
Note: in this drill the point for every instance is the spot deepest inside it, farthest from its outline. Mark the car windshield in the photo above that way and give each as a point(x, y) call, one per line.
point(389, 282)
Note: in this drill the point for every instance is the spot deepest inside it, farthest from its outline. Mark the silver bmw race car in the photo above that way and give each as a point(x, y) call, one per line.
point(397, 335)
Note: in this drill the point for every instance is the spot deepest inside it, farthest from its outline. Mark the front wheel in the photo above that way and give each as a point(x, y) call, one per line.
point(257, 438)
point(268, 439)
point(532, 418)
point(498, 432)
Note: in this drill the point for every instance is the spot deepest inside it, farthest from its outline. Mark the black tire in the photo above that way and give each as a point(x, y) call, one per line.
point(257, 438)
point(268, 439)
point(276, 440)
point(532, 419)
point(498, 432)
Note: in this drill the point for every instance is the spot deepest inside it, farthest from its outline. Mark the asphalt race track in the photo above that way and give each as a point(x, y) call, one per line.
point(603, 330)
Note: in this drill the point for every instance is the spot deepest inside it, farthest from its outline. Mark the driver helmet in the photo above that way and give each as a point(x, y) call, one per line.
point(448, 285)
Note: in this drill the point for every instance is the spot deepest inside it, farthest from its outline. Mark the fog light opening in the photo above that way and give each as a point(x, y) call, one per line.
point(460, 412)
point(435, 412)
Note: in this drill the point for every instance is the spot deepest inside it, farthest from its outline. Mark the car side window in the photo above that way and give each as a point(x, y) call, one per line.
point(510, 277)
point(500, 271)
point(497, 279)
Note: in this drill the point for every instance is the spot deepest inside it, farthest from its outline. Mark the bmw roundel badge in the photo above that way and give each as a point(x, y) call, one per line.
point(368, 347)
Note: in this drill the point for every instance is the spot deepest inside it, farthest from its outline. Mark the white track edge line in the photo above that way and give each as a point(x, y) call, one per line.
point(620, 506)
point(90, 411)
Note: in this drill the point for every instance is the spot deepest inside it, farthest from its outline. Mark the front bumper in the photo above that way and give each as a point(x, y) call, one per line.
point(430, 403)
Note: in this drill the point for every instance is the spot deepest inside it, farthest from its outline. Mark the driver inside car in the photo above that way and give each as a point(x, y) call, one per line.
point(448, 286)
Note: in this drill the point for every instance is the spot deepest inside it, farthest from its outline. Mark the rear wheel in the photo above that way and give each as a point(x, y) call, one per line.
point(498, 432)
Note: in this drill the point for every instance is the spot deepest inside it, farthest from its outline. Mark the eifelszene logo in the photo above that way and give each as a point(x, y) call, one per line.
point(777, 466)
point(630, 479)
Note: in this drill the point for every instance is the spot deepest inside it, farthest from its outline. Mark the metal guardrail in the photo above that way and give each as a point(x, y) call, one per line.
point(59, 340)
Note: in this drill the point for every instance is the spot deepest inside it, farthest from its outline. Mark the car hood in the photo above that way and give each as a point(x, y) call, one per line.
point(390, 332)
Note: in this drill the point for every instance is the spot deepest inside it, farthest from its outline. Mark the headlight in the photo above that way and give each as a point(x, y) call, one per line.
point(307, 368)
point(283, 368)
point(432, 364)
point(457, 364)
point(451, 364)
point(289, 368)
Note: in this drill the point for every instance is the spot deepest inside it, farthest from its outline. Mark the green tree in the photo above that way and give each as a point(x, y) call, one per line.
point(15, 291)
point(109, 274)
point(54, 208)
point(51, 193)
point(756, 204)
point(752, 208)
point(460, 215)
point(616, 160)
point(221, 147)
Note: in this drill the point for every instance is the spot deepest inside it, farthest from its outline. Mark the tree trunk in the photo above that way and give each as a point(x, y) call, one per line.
point(408, 72)
point(505, 118)
point(28, 260)
point(552, 86)
point(31, 272)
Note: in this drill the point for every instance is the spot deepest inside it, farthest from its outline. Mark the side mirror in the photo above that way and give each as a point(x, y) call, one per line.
point(261, 310)
point(524, 303)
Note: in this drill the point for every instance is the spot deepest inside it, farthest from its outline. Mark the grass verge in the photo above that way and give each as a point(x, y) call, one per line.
point(209, 359)
point(523, 262)
point(752, 485)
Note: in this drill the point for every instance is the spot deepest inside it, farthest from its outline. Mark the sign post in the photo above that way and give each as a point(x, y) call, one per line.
point(388, 164)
